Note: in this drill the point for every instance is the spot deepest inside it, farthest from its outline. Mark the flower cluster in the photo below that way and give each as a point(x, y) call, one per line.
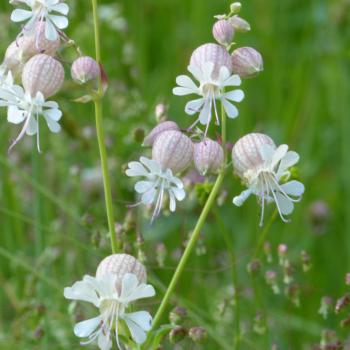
point(263, 167)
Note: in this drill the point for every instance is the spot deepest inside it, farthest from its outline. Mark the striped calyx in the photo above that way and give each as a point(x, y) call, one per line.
point(160, 128)
point(42, 73)
point(208, 156)
point(119, 265)
point(173, 150)
point(246, 153)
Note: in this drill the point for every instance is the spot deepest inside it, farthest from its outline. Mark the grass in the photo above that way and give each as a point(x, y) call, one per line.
point(301, 99)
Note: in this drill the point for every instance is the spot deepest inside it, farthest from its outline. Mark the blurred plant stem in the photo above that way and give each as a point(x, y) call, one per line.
point(38, 201)
point(196, 232)
point(101, 137)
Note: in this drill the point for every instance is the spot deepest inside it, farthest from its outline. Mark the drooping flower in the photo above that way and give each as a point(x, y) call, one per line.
point(112, 291)
point(157, 184)
point(211, 66)
point(264, 168)
point(52, 12)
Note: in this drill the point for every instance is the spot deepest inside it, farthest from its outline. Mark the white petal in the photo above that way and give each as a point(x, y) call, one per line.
point(61, 8)
point(207, 68)
point(54, 114)
point(293, 188)
point(172, 201)
point(15, 115)
point(181, 91)
point(267, 152)
point(104, 341)
point(205, 114)
point(139, 292)
point(52, 125)
point(32, 128)
point(233, 80)
point(60, 22)
point(129, 284)
point(149, 196)
point(179, 193)
point(151, 164)
point(285, 205)
point(290, 159)
point(194, 106)
point(143, 186)
point(20, 15)
point(81, 291)
point(85, 328)
point(186, 82)
point(50, 31)
point(136, 169)
point(239, 200)
point(224, 73)
point(279, 154)
point(196, 72)
point(138, 323)
point(230, 109)
point(235, 95)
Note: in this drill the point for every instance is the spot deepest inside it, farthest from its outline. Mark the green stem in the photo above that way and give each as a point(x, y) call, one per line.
point(196, 232)
point(101, 138)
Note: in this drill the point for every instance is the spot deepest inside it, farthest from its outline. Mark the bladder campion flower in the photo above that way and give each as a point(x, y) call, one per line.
point(52, 12)
point(211, 65)
point(119, 281)
point(264, 168)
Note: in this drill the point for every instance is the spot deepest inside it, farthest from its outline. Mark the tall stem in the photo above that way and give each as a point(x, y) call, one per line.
point(101, 138)
point(196, 232)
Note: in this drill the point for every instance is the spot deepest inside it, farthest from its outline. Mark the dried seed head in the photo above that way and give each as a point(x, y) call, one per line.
point(212, 53)
point(208, 156)
point(247, 62)
point(42, 73)
point(173, 150)
point(246, 152)
point(239, 24)
point(223, 32)
point(85, 69)
point(160, 128)
point(120, 264)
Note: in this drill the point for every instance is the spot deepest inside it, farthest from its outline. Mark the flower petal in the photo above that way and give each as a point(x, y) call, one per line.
point(138, 323)
point(230, 109)
point(235, 95)
point(186, 82)
point(60, 22)
point(233, 80)
point(285, 205)
point(81, 290)
point(194, 106)
point(20, 15)
point(85, 328)
point(293, 188)
point(239, 200)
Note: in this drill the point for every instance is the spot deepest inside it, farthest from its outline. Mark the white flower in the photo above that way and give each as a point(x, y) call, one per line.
point(41, 10)
point(22, 108)
point(211, 88)
point(264, 181)
point(157, 183)
point(112, 304)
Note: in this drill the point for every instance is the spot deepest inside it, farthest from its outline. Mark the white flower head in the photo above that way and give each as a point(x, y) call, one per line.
point(211, 88)
point(23, 108)
point(52, 12)
point(112, 303)
point(156, 185)
point(268, 179)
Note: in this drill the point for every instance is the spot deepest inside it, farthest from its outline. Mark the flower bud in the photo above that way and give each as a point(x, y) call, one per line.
point(223, 32)
point(326, 306)
point(173, 150)
point(271, 280)
point(177, 334)
point(292, 292)
point(235, 7)
point(254, 267)
point(239, 24)
point(305, 260)
point(245, 153)
point(17, 53)
point(119, 265)
point(247, 62)
point(213, 53)
point(178, 315)
point(342, 303)
point(208, 156)
point(198, 334)
point(42, 73)
point(267, 251)
point(155, 132)
point(85, 69)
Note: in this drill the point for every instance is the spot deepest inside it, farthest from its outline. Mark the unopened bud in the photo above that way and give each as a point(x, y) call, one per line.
point(235, 7)
point(42, 73)
point(155, 132)
point(85, 69)
point(208, 157)
point(254, 267)
point(173, 150)
point(267, 251)
point(292, 292)
point(326, 306)
point(271, 280)
point(305, 260)
point(177, 334)
point(223, 32)
point(119, 265)
point(198, 334)
point(247, 62)
point(282, 253)
point(287, 272)
point(239, 24)
point(178, 315)
point(342, 303)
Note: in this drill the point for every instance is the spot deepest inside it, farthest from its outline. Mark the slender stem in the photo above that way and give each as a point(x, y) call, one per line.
point(101, 138)
point(196, 232)
point(263, 234)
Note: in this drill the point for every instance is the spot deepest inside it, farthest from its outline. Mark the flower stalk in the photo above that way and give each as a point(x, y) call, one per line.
point(101, 137)
point(196, 232)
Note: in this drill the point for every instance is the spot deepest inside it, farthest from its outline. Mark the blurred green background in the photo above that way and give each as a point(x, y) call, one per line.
point(53, 225)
